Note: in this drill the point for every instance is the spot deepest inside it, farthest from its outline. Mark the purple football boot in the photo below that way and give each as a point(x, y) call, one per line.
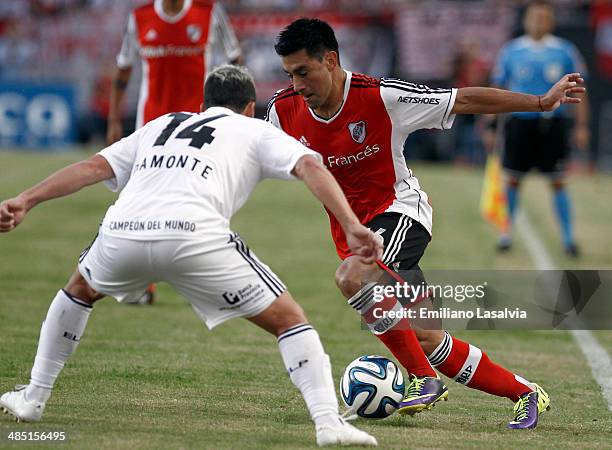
point(422, 394)
point(529, 407)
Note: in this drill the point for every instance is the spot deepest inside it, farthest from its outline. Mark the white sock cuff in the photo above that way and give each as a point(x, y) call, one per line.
point(299, 343)
point(294, 331)
point(62, 293)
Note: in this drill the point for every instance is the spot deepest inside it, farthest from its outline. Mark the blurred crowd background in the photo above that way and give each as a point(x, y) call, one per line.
point(68, 47)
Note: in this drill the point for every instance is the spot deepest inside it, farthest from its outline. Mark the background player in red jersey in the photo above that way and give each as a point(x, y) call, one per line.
point(173, 39)
point(359, 125)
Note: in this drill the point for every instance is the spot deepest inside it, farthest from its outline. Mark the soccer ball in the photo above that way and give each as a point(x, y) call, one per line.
point(372, 387)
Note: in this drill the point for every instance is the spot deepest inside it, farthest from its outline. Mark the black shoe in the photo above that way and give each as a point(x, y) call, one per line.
point(147, 298)
point(504, 244)
point(572, 251)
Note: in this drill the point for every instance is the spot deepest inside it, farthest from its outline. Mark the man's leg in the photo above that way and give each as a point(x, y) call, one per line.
point(521, 143)
point(555, 150)
point(310, 370)
point(211, 276)
point(401, 341)
point(512, 190)
point(425, 388)
point(467, 364)
point(148, 297)
point(59, 336)
point(563, 210)
point(513, 185)
point(463, 362)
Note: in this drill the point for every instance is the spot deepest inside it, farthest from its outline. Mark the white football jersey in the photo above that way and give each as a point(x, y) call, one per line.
point(184, 175)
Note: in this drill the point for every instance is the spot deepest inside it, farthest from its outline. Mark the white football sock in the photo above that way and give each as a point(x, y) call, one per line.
point(59, 336)
point(310, 371)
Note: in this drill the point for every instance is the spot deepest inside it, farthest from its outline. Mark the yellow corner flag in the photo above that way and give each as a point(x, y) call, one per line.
point(493, 204)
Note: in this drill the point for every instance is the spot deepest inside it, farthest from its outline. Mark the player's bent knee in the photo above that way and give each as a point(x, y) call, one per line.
point(77, 286)
point(429, 339)
point(347, 286)
point(348, 277)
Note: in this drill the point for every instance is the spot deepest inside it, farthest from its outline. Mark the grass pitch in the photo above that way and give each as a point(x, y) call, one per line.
point(154, 377)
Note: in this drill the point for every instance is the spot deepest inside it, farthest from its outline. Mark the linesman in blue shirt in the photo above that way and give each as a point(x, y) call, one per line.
point(531, 64)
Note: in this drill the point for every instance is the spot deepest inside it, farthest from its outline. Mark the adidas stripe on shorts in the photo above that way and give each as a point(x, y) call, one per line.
point(404, 240)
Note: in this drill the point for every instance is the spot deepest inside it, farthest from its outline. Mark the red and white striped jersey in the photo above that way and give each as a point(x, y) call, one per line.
point(362, 144)
point(175, 53)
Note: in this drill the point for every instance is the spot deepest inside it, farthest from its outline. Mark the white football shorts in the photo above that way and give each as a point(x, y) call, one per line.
point(221, 281)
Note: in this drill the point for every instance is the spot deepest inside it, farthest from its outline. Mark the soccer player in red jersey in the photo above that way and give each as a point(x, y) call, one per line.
point(359, 125)
point(173, 39)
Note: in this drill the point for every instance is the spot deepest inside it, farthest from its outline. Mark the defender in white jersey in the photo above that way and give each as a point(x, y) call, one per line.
point(175, 41)
point(181, 179)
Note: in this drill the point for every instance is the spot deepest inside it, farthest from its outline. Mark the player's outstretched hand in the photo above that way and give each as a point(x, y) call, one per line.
point(364, 243)
point(12, 212)
point(559, 94)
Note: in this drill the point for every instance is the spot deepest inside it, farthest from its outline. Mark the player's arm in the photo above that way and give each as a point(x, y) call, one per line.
point(224, 36)
point(322, 184)
point(120, 83)
point(582, 134)
point(483, 100)
point(64, 182)
point(125, 60)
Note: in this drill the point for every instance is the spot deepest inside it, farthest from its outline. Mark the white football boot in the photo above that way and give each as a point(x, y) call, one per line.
point(15, 404)
point(343, 434)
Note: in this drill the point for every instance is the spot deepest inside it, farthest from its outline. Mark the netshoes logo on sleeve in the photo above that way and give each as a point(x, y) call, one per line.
point(419, 100)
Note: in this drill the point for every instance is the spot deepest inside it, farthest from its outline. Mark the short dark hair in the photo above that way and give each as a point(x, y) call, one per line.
point(229, 86)
point(313, 35)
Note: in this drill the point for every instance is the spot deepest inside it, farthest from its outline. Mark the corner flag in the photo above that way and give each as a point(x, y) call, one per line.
point(493, 204)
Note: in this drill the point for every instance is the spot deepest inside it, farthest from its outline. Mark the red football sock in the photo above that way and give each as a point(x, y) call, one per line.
point(406, 348)
point(467, 364)
point(397, 335)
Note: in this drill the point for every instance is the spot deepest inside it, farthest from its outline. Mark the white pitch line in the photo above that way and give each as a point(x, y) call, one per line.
point(599, 360)
point(597, 357)
point(538, 252)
